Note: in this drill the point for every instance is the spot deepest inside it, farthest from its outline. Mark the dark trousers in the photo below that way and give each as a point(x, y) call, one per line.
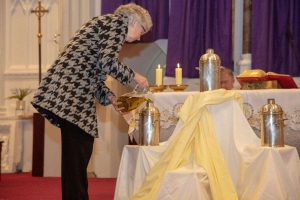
point(77, 147)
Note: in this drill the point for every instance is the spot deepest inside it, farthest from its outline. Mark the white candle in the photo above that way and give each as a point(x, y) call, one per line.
point(178, 74)
point(158, 75)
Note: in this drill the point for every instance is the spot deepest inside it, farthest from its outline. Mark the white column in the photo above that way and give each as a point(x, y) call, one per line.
point(238, 32)
point(95, 7)
point(2, 52)
point(244, 62)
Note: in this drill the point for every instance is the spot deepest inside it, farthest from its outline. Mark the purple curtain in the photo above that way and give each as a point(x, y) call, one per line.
point(275, 32)
point(158, 9)
point(195, 26)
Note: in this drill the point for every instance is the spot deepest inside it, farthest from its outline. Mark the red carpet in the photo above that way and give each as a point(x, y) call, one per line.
point(23, 186)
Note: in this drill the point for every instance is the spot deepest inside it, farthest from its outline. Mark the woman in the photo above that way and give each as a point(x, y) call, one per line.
point(66, 95)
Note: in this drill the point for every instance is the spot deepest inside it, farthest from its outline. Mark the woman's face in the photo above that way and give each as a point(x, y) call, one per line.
point(135, 31)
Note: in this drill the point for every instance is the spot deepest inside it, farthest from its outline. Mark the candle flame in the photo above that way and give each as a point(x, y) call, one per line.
point(178, 65)
point(158, 66)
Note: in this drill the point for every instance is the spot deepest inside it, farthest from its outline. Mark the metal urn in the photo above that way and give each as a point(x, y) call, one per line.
point(149, 125)
point(272, 125)
point(209, 71)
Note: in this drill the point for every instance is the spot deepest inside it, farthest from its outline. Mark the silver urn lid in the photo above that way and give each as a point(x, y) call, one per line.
point(211, 57)
point(271, 108)
point(149, 109)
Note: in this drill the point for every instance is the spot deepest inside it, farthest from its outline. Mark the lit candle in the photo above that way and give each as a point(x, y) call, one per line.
point(178, 74)
point(158, 75)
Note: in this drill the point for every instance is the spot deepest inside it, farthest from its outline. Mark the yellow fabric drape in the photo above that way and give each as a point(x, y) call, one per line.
point(196, 141)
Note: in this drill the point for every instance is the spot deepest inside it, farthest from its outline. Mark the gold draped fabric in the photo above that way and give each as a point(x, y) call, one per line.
point(195, 142)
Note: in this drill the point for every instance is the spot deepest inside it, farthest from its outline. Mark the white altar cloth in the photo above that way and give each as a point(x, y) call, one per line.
point(257, 172)
point(169, 104)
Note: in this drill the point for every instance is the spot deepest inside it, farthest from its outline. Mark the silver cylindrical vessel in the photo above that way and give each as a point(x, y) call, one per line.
point(149, 125)
point(272, 125)
point(209, 71)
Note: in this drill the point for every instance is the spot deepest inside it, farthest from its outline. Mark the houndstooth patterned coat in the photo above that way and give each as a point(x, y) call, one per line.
point(71, 84)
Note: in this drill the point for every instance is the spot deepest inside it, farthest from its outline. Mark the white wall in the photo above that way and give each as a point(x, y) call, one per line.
point(19, 49)
point(19, 42)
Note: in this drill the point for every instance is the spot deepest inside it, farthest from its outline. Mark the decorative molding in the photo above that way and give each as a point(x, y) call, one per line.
point(28, 5)
point(22, 3)
point(30, 76)
point(49, 3)
point(22, 74)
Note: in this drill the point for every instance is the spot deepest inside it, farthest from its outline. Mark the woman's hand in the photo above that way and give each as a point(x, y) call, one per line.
point(117, 105)
point(141, 81)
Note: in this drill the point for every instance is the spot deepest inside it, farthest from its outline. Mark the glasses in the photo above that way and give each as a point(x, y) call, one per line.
point(143, 28)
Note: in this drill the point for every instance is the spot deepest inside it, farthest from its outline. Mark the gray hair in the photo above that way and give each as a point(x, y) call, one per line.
point(136, 13)
point(226, 71)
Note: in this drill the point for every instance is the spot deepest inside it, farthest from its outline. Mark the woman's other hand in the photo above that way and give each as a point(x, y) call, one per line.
point(141, 80)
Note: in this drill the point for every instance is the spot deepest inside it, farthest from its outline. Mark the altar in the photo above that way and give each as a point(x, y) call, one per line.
point(257, 172)
point(169, 104)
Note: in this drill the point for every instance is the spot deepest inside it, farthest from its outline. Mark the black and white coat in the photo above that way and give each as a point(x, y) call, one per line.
point(71, 84)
